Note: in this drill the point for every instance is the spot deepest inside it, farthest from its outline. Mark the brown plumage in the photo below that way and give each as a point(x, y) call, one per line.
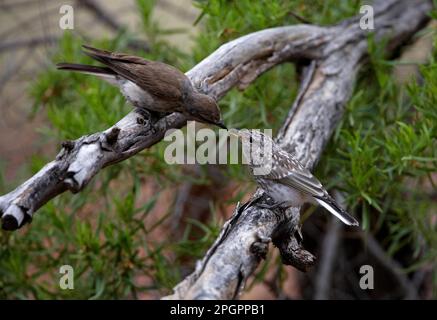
point(152, 85)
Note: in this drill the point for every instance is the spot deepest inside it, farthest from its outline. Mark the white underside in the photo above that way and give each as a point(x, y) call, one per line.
point(107, 77)
point(133, 93)
point(137, 96)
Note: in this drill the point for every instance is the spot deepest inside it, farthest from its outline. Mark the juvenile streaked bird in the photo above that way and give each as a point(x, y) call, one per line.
point(283, 178)
point(152, 85)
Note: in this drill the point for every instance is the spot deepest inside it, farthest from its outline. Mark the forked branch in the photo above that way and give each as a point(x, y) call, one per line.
point(335, 55)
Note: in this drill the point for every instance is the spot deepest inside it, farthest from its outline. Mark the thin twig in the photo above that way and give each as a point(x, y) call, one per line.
point(328, 259)
point(393, 266)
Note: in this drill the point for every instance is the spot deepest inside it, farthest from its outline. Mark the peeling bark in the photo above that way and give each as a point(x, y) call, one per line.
point(325, 89)
point(335, 53)
point(80, 160)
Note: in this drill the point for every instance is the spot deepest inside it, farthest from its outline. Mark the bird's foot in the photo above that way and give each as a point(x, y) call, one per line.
point(144, 116)
point(148, 119)
point(144, 121)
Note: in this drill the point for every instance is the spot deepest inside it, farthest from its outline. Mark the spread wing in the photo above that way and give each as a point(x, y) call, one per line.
point(157, 78)
point(290, 172)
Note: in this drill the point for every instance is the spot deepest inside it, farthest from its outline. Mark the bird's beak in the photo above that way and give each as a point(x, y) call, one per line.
point(221, 124)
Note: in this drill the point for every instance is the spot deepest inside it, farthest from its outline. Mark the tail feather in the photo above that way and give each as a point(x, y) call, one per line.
point(329, 204)
point(97, 51)
point(111, 59)
point(103, 56)
point(102, 72)
point(85, 68)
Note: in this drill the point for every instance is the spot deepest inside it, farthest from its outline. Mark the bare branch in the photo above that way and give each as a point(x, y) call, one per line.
point(54, 40)
point(28, 43)
point(337, 52)
point(232, 259)
point(235, 63)
point(329, 255)
point(101, 13)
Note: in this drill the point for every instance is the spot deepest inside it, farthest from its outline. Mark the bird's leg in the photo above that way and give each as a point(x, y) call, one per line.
point(155, 116)
point(148, 117)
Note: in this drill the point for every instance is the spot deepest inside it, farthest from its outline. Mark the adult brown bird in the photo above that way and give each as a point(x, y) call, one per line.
point(152, 85)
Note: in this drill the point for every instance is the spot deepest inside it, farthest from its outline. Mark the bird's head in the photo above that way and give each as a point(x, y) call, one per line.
point(257, 148)
point(252, 137)
point(205, 109)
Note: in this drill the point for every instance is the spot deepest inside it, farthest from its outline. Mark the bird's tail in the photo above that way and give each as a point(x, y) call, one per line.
point(102, 72)
point(331, 205)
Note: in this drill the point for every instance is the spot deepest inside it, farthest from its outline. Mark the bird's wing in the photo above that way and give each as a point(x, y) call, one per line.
point(157, 78)
point(290, 172)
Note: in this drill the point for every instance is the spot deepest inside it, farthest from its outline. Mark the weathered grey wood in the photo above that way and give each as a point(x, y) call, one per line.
point(222, 273)
point(337, 53)
point(236, 63)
